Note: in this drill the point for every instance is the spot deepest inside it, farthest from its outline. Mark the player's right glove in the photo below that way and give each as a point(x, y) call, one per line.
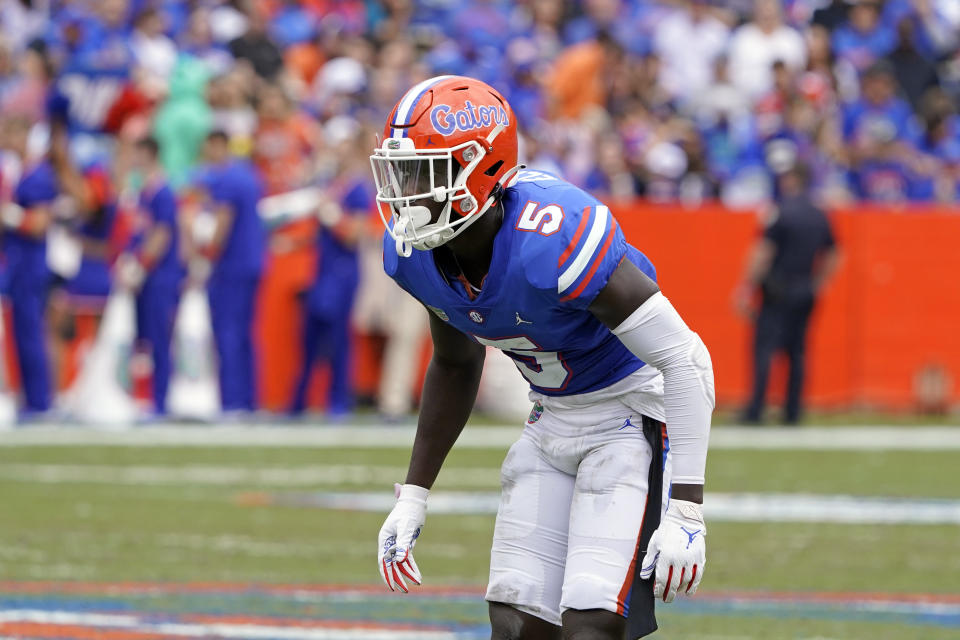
point(398, 535)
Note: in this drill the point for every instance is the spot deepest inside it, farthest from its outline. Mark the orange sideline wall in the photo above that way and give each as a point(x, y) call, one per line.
point(892, 309)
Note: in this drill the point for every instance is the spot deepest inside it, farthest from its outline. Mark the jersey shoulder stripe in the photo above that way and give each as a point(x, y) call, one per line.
point(601, 225)
point(584, 218)
point(571, 260)
point(594, 265)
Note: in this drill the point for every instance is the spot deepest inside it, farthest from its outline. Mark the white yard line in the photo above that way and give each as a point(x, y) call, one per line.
point(786, 507)
point(477, 437)
point(731, 507)
point(718, 507)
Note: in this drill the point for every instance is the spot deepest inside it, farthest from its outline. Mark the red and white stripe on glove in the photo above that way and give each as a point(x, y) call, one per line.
point(399, 534)
point(677, 551)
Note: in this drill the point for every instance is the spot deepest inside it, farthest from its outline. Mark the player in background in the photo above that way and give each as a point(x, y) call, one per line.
point(328, 303)
point(151, 266)
point(26, 212)
point(531, 264)
point(236, 253)
point(87, 208)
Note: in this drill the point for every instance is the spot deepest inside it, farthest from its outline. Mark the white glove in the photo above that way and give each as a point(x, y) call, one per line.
point(398, 535)
point(677, 551)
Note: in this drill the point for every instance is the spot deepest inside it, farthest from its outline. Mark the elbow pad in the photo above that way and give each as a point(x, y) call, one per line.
point(657, 334)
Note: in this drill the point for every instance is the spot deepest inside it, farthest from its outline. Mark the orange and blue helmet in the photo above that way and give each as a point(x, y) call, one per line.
point(451, 140)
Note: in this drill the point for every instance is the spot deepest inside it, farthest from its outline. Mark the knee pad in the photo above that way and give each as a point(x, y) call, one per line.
point(520, 591)
point(584, 591)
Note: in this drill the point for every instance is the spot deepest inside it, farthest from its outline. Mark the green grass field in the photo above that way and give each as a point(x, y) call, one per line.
point(109, 514)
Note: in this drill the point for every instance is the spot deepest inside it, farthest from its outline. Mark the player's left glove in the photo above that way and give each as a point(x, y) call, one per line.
point(398, 535)
point(677, 551)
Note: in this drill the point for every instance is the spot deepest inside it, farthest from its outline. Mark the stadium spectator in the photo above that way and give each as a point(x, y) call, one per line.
point(8, 68)
point(303, 61)
point(24, 86)
point(183, 120)
point(611, 178)
point(541, 29)
point(227, 22)
point(826, 80)
point(256, 46)
point(197, 41)
point(580, 76)
point(934, 24)
point(231, 110)
point(688, 41)
point(882, 133)
point(23, 22)
point(154, 52)
point(232, 188)
point(864, 38)
point(831, 15)
point(698, 184)
point(771, 106)
point(601, 17)
point(284, 141)
point(941, 143)
point(790, 266)
point(339, 88)
point(526, 92)
point(292, 24)
point(481, 28)
point(755, 46)
point(719, 99)
point(914, 73)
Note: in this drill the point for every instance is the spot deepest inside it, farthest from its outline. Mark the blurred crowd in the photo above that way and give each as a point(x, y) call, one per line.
point(161, 144)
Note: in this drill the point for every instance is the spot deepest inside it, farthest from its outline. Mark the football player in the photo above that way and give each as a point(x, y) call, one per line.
point(600, 508)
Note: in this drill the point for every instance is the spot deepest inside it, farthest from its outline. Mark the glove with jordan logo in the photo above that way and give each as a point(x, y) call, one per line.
point(677, 551)
point(399, 534)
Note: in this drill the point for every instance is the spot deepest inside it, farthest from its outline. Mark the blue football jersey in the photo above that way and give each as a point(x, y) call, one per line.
point(554, 252)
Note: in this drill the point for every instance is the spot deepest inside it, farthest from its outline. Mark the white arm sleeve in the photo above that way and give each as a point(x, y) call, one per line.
point(657, 334)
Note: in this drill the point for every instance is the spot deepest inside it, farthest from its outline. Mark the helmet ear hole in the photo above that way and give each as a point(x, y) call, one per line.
point(492, 171)
point(456, 169)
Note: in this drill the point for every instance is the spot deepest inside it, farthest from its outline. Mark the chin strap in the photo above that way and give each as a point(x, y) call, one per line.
point(404, 248)
point(504, 180)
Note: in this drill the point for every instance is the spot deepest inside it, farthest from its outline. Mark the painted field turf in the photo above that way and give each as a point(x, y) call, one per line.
point(109, 514)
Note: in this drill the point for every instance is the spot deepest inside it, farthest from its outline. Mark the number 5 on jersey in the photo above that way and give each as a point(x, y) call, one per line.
point(544, 369)
point(546, 220)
